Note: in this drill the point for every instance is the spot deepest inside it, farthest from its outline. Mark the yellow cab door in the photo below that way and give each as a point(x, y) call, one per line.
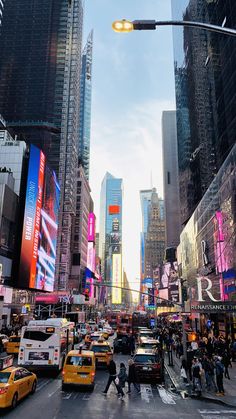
point(19, 384)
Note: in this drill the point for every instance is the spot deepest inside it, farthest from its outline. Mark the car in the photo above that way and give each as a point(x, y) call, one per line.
point(102, 351)
point(122, 344)
point(13, 345)
point(109, 330)
point(79, 369)
point(149, 366)
point(149, 343)
point(15, 383)
point(145, 334)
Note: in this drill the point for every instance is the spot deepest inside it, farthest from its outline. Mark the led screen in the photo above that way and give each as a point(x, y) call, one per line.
point(39, 237)
point(116, 278)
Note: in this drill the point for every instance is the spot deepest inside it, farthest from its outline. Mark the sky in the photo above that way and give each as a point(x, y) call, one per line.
point(133, 82)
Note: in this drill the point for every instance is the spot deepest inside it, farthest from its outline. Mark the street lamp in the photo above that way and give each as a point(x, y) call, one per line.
point(128, 26)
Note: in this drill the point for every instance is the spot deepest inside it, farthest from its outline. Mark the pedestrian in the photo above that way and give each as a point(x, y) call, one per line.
point(183, 371)
point(226, 362)
point(219, 376)
point(112, 378)
point(132, 344)
point(122, 375)
point(196, 373)
point(132, 377)
point(209, 369)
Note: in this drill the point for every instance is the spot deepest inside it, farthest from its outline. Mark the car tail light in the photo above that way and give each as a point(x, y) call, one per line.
point(3, 390)
point(63, 372)
point(93, 374)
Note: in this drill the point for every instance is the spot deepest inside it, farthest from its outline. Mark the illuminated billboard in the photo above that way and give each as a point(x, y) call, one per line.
point(114, 209)
point(91, 227)
point(39, 236)
point(91, 257)
point(116, 279)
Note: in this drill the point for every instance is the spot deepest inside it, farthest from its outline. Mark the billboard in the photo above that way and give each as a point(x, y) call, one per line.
point(91, 257)
point(114, 209)
point(115, 248)
point(115, 238)
point(115, 224)
point(40, 224)
point(91, 227)
point(116, 279)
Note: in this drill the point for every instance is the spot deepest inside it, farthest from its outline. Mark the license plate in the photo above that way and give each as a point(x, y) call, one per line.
point(83, 375)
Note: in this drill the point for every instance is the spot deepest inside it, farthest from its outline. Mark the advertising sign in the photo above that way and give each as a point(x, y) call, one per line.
point(115, 248)
point(115, 238)
point(91, 227)
point(114, 209)
point(91, 257)
point(38, 246)
point(116, 279)
point(115, 224)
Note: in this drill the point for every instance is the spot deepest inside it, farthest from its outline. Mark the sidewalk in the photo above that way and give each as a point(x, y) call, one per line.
point(229, 385)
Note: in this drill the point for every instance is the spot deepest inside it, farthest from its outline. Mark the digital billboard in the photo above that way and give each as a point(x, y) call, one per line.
point(91, 257)
point(39, 236)
point(116, 279)
point(114, 209)
point(91, 227)
point(115, 238)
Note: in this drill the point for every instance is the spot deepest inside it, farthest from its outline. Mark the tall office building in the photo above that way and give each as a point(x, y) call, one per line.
point(110, 234)
point(171, 178)
point(40, 65)
point(145, 200)
point(205, 73)
point(85, 105)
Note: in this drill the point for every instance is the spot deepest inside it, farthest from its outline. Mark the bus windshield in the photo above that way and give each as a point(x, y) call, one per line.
point(37, 335)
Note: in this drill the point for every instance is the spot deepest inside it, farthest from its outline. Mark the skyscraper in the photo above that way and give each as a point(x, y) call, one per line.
point(40, 64)
point(110, 234)
point(205, 71)
point(145, 200)
point(85, 105)
point(171, 178)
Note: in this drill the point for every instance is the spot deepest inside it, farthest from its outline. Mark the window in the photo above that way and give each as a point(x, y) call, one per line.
point(146, 359)
point(37, 335)
point(101, 349)
point(80, 361)
point(17, 376)
point(4, 377)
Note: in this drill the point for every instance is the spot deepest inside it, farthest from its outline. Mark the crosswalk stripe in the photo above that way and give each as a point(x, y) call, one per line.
point(146, 392)
point(165, 396)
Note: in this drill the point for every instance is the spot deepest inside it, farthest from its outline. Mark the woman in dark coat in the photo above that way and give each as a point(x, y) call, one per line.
point(122, 375)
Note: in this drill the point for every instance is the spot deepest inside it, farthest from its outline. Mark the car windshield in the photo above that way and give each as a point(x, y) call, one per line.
point(101, 349)
point(146, 359)
point(15, 339)
point(80, 361)
point(4, 377)
point(146, 334)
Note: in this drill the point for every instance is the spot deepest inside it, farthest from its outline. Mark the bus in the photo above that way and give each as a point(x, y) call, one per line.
point(119, 319)
point(44, 344)
point(139, 319)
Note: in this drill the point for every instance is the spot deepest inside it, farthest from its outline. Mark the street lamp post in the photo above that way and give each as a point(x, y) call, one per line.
point(140, 25)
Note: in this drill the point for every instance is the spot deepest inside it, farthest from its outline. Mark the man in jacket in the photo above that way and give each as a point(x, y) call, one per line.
point(112, 378)
point(132, 377)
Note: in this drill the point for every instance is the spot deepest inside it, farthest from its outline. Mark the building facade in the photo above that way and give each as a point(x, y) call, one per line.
point(40, 94)
point(207, 254)
point(205, 73)
point(170, 178)
point(110, 235)
point(85, 105)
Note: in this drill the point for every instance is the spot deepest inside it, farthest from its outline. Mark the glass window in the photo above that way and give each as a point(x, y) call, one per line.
point(4, 377)
point(80, 361)
point(146, 359)
point(102, 349)
point(37, 335)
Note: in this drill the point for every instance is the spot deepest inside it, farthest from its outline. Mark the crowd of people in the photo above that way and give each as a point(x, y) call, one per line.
point(208, 358)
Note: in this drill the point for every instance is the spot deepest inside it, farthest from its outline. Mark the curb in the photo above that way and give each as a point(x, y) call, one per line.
point(172, 378)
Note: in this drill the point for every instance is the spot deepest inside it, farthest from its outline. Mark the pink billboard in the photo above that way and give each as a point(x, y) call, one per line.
point(91, 227)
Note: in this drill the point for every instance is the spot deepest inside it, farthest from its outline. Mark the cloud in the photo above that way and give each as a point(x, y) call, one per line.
point(130, 148)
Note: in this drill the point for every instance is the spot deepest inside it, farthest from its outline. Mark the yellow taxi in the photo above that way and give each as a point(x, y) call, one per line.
point(15, 383)
point(79, 369)
point(102, 351)
point(104, 334)
point(13, 345)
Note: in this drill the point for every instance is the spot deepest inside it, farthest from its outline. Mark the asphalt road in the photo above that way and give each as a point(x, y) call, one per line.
point(50, 402)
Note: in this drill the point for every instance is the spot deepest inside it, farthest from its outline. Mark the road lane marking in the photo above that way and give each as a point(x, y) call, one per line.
point(40, 386)
point(57, 388)
point(165, 396)
point(216, 412)
point(146, 392)
point(66, 396)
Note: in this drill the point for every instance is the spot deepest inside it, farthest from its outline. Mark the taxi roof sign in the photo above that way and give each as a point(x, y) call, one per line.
point(6, 362)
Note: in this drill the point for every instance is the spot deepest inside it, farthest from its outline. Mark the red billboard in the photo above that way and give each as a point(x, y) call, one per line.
point(114, 209)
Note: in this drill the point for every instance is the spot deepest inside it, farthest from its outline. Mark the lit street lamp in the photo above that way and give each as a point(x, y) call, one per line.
point(140, 25)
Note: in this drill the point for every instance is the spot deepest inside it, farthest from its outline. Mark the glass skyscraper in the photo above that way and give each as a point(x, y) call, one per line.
point(85, 105)
point(40, 66)
point(110, 235)
point(205, 76)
